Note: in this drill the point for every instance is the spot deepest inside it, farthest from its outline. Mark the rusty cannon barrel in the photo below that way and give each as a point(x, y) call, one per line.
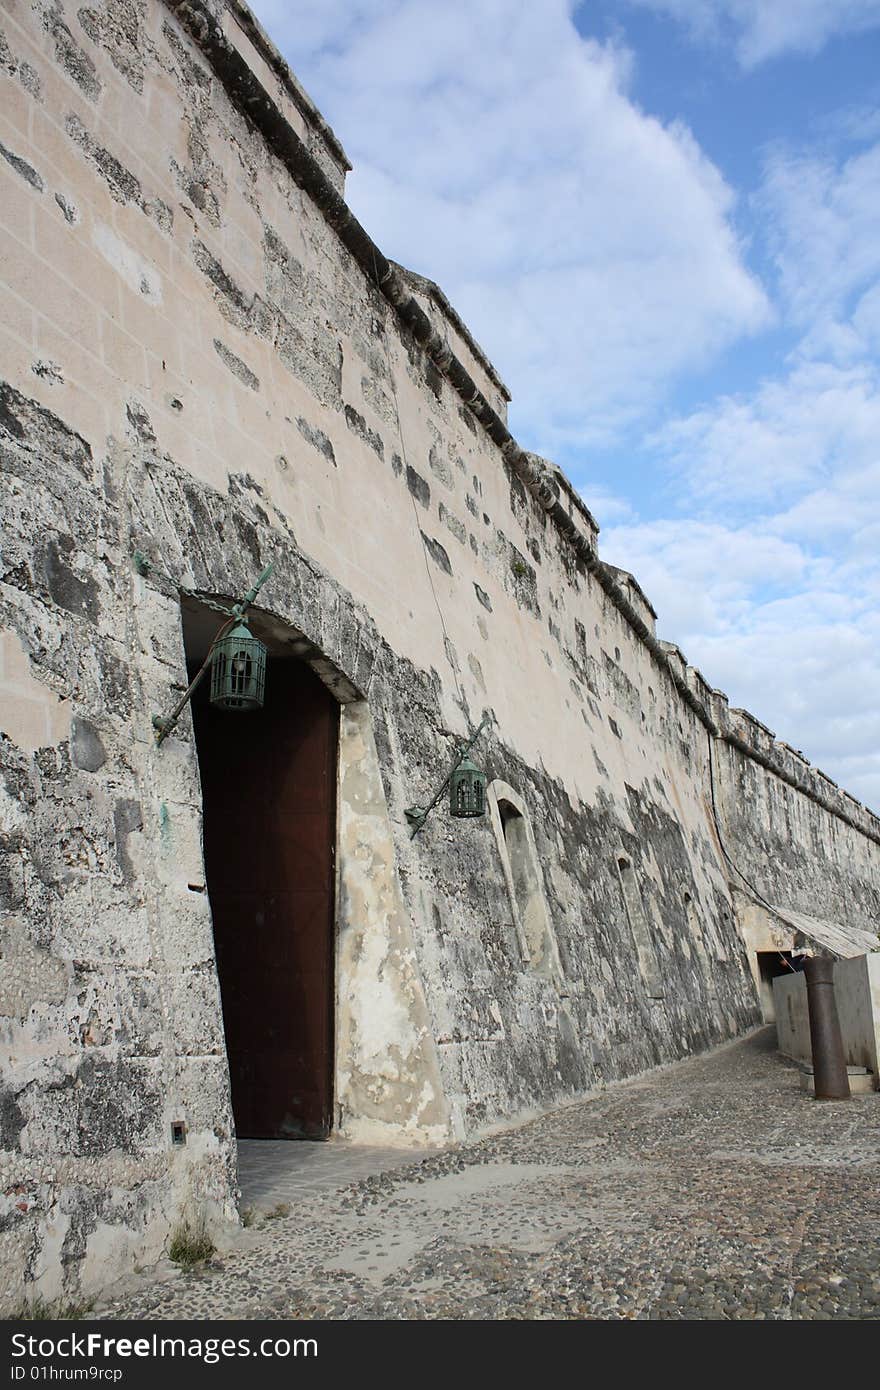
point(829, 1064)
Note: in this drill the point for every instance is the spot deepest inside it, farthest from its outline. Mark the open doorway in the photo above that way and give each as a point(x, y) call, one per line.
point(269, 801)
point(771, 964)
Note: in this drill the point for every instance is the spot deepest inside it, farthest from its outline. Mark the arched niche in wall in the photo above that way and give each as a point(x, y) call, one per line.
point(522, 873)
point(640, 928)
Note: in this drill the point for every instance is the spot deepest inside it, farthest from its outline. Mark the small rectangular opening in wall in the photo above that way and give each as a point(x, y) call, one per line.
point(178, 1131)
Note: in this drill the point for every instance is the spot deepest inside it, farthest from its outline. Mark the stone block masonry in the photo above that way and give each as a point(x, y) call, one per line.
point(206, 359)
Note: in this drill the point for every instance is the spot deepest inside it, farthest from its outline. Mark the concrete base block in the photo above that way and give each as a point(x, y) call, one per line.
point(861, 1081)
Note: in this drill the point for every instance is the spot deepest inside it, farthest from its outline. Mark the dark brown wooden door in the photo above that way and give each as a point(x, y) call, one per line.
point(269, 792)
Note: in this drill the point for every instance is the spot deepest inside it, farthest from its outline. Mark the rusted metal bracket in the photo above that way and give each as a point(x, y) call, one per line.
point(163, 724)
point(417, 815)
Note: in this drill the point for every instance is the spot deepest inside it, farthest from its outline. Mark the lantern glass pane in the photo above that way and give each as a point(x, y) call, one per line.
point(238, 671)
point(467, 791)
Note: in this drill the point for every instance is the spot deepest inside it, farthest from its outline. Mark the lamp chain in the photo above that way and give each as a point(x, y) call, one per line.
point(144, 567)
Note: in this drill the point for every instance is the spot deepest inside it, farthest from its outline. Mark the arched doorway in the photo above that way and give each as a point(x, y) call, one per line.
point(269, 802)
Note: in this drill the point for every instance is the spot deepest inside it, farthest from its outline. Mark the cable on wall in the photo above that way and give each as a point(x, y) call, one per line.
point(446, 639)
point(736, 869)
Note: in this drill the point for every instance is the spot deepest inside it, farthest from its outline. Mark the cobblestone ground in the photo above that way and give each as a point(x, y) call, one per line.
point(715, 1188)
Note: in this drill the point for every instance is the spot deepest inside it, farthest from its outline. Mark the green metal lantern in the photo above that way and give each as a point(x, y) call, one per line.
point(467, 790)
point(238, 670)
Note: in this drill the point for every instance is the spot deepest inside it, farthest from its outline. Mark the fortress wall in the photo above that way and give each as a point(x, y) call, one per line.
point(784, 835)
point(197, 368)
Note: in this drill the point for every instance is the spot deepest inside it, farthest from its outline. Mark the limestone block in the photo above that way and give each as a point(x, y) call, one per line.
point(175, 829)
point(201, 1094)
point(13, 1263)
point(861, 1081)
point(187, 935)
point(174, 771)
point(30, 974)
point(196, 1013)
point(101, 922)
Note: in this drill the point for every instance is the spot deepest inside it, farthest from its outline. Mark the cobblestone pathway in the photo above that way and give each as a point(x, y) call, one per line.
point(278, 1172)
point(711, 1189)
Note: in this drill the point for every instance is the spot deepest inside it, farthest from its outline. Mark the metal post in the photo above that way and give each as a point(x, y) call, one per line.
point(829, 1064)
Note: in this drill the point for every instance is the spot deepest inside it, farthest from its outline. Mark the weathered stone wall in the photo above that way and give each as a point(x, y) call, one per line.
point(198, 366)
point(784, 840)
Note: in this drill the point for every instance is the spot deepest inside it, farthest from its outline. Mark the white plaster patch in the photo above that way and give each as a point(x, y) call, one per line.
point(383, 1133)
point(382, 1017)
point(140, 276)
point(32, 715)
point(388, 1081)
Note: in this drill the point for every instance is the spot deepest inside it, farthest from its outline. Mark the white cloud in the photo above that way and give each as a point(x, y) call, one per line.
point(859, 123)
point(606, 506)
point(764, 29)
point(588, 246)
point(702, 576)
point(778, 602)
point(777, 598)
point(793, 637)
point(866, 319)
point(816, 427)
point(821, 216)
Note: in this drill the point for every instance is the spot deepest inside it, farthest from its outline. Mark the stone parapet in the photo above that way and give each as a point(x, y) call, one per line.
point(754, 740)
point(247, 35)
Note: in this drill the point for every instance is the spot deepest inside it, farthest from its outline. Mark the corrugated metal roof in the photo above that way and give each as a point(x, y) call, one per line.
point(832, 937)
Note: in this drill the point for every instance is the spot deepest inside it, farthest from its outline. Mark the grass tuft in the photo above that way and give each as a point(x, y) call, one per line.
point(282, 1209)
point(42, 1310)
point(190, 1244)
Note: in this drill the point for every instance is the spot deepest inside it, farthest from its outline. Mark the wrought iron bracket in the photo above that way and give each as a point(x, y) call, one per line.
point(417, 815)
point(163, 724)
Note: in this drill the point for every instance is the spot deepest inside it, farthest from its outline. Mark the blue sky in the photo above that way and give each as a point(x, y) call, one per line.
point(661, 219)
